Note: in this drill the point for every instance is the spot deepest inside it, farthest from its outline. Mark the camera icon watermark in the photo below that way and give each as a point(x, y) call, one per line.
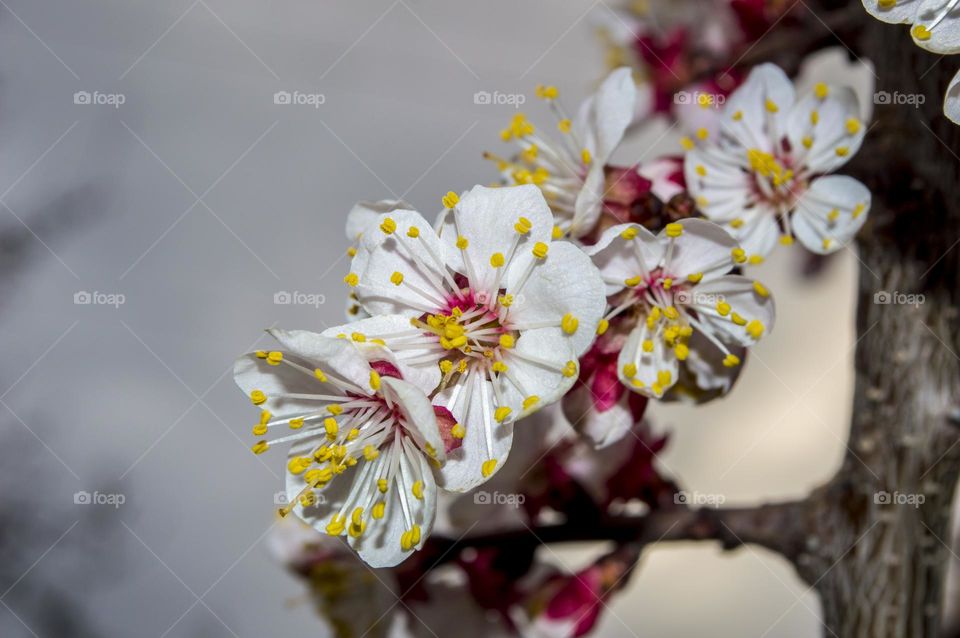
point(698, 499)
point(97, 298)
point(96, 98)
point(280, 499)
point(297, 298)
point(703, 99)
point(897, 298)
point(114, 499)
point(898, 98)
point(499, 498)
point(299, 98)
point(899, 498)
point(694, 297)
point(516, 100)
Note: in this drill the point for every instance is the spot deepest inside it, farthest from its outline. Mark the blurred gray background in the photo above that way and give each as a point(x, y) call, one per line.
point(198, 199)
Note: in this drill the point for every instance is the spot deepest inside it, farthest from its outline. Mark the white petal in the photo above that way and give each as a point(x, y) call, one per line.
point(617, 259)
point(566, 270)
point(744, 300)
point(757, 126)
point(902, 11)
point(252, 373)
point(417, 411)
point(381, 255)
point(600, 428)
point(721, 188)
point(412, 355)
point(605, 116)
point(462, 470)
point(838, 126)
point(364, 213)
point(759, 232)
point(703, 377)
point(649, 365)
point(703, 247)
point(951, 100)
point(943, 24)
point(485, 217)
point(546, 382)
point(589, 201)
point(830, 213)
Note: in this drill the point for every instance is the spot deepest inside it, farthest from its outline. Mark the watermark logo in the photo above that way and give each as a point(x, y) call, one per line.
point(96, 98)
point(498, 498)
point(689, 297)
point(298, 98)
point(702, 99)
point(909, 99)
point(114, 500)
point(899, 498)
point(897, 298)
point(297, 298)
point(699, 499)
point(281, 499)
point(516, 100)
point(97, 298)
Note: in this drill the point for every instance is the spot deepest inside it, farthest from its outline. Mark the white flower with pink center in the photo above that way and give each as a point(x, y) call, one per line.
point(766, 175)
point(491, 313)
point(681, 302)
point(570, 170)
point(365, 440)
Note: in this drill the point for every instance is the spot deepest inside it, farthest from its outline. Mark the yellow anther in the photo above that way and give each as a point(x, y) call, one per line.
point(488, 467)
point(259, 429)
point(739, 255)
point(723, 308)
point(374, 380)
point(695, 278)
point(370, 453)
point(771, 106)
point(501, 413)
point(540, 250)
point(755, 329)
point(702, 133)
point(388, 226)
point(258, 397)
point(760, 289)
point(647, 345)
point(737, 116)
point(359, 337)
point(318, 373)
point(681, 351)
point(546, 92)
point(296, 424)
point(841, 151)
point(586, 156)
point(507, 341)
point(674, 230)
point(530, 401)
point(331, 428)
point(756, 259)
point(821, 90)
point(261, 354)
point(497, 260)
point(450, 200)
point(565, 125)
point(633, 281)
point(336, 525)
point(523, 225)
point(417, 490)
point(260, 447)
point(807, 141)
point(351, 280)
point(833, 215)
point(731, 360)
point(664, 377)
point(737, 319)
point(920, 32)
point(382, 485)
point(736, 223)
point(826, 243)
point(671, 313)
point(377, 511)
point(499, 367)
point(396, 278)
point(458, 431)
point(687, 143)
point(413, 232)
point(569, 323)
point(853, 126)
point(298, 464)
point(335, 409)
point(352, 251)
point(858, 210)
point(629, 233)
point(701, 170)
point(556, 233)
point(630, 370)
point(462, 242)
point(602, 326)
point(786, 240)
point(446, 366)
point(570, 369)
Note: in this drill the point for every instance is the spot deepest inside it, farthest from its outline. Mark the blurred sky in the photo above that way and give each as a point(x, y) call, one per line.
point(207, 199)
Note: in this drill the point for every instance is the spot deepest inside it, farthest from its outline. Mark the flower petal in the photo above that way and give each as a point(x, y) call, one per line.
point(649, 373)
point(703, 248)
point(589, 202)
point(753, 115)
point(899, 12)
point(419, 416)
point(485, 218)
point(951, 100)
point(364, 213)
point(825, 133)
point(604, 117)
point(748, 313)
point(757, 230)
point(937, 27)
point(617, 257)
point(566, 268)
point(720, 187)
point(830, 213)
